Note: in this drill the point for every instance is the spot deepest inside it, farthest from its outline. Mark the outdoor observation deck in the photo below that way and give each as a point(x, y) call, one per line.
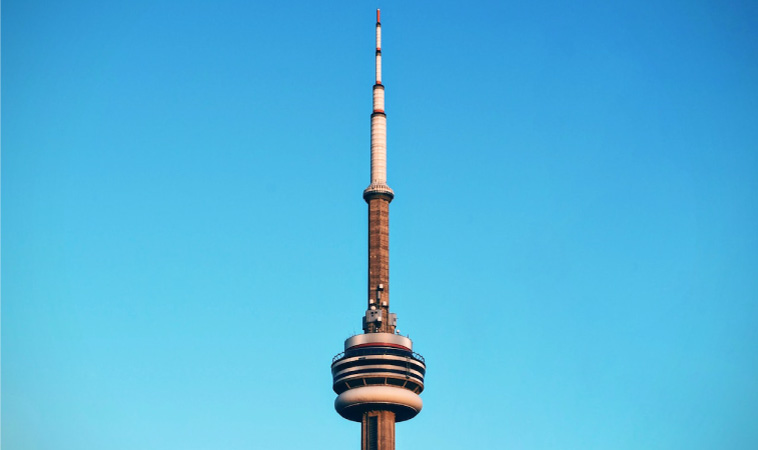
point(378, 375)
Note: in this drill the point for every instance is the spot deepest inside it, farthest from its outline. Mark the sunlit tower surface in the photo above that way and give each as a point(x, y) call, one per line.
point(378, 377)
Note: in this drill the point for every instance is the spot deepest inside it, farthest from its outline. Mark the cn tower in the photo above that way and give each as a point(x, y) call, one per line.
point(378, 377)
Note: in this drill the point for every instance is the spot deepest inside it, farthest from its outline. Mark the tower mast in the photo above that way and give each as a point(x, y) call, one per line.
point(378, 196)
point(378, 378)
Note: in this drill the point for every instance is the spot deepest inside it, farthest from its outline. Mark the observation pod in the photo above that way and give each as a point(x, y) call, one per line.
point(378, 371)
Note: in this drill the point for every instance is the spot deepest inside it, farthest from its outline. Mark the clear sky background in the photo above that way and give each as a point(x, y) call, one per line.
point(574, 237)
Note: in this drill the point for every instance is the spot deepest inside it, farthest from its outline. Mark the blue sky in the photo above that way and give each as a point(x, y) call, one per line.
point(574, 244)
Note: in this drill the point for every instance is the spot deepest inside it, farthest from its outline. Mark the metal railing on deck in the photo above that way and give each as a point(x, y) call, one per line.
point(374, 352)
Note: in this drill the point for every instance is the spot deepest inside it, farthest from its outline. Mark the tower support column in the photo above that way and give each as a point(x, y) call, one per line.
point(379, 264)
point(378, 430)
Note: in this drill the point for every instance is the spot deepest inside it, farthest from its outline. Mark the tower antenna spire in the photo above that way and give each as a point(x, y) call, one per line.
point(378, 195)
point(378, 125)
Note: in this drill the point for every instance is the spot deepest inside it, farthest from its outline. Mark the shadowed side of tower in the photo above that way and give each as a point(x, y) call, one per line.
point(378, 378)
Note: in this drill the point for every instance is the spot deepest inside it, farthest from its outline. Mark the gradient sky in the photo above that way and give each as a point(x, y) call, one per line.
point(574, 237)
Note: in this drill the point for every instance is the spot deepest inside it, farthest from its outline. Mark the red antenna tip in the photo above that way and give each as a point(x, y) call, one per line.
point(378, 16)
